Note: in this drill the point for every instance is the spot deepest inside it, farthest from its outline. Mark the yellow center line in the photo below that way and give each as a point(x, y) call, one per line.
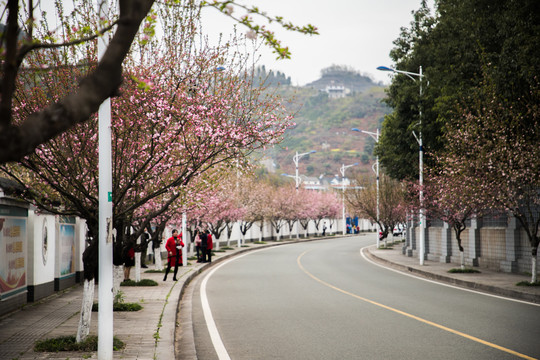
point(459, 333)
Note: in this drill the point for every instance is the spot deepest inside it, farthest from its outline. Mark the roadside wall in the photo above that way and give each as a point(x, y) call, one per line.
point(497, 243)
point(40, 254)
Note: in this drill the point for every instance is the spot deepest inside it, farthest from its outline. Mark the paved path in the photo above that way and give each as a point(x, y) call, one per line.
point(59, 314)
point(494, 282)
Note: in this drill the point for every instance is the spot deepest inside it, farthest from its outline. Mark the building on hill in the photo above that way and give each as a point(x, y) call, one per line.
point(338, 182)
point(339, 81)
point(336, 92)
point(311, 183)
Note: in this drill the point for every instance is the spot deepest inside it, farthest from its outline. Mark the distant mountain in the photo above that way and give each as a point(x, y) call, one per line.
point(270, 78)
point(325, 111)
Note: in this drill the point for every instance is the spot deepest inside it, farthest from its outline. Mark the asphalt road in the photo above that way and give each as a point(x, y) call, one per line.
point(323, 300)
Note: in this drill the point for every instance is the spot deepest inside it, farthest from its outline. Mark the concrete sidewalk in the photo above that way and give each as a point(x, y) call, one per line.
point(489, 281)
point(150, 333)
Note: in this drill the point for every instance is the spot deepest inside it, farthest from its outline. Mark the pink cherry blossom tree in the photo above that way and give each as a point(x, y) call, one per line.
point(253, 197)
point(495, 145)
point(278, 208)
point(220, 211)
point(27, 35)
point(166, 132)
point(292, 203)
point(327, 206)
point(450, 196)
point(392, 206)
point(306, 209)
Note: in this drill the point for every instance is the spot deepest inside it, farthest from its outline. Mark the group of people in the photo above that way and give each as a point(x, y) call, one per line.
point(355, 229)
point(203, 244)
point(174, 245)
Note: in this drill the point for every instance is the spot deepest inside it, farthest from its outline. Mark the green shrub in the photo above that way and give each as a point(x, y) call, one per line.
point(127, 307)
point(152, 271)
point(68, 343)
point(463, 271)
point(143, 282)
point(120, 306)
point(528, 283)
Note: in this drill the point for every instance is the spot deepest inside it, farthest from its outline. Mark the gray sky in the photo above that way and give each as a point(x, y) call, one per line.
point(356, 33)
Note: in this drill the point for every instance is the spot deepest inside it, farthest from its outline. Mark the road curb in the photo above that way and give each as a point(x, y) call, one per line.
point(514, 294)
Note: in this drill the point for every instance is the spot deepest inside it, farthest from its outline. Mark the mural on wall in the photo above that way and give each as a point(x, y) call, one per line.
point(67, 246)
point(12, 250)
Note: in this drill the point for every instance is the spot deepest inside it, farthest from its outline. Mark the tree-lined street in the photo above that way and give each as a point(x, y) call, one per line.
point(324, 300)
point(189, 140)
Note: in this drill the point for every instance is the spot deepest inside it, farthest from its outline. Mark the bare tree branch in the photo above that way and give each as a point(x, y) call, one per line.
point(25, 49)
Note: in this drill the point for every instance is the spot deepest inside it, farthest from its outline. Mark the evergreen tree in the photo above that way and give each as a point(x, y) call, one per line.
point(455, 47)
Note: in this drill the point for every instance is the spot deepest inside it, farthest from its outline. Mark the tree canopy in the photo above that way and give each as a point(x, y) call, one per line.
point(21, 36)
point(456, 47)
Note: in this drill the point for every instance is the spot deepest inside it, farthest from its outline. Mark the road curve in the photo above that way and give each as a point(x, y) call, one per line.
point(323, 300)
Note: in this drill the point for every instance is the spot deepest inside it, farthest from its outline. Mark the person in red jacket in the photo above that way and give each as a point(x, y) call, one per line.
point(209, 246)
point(174, 247)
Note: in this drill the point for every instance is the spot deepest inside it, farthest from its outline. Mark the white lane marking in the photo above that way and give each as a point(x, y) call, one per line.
point(210, 323)
point(441, 283)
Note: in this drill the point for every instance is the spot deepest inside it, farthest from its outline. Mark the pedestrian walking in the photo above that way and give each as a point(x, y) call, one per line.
point(198, 244)
point(128, 255)
point(174, 247)
point(156, 246)
point(204, 245)
point(209, 246)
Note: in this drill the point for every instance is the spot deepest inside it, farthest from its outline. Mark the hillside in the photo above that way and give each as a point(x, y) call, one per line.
point(324, 121)
point(337, 75)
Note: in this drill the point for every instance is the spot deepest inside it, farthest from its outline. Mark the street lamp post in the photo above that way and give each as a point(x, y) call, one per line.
point(296, 158)
point(105, 253)
point(376, 170)
point(342, 170)
point(297, 181)
point(414, 77)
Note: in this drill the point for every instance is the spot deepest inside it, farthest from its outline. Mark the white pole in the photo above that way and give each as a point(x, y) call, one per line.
point(138, 255)
point(421, 181)
point(421, 250)
point(105, 289)
point(378, 192)
point(343, 198)
point(296, 178)
point(297, 182)
point(184, 239)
